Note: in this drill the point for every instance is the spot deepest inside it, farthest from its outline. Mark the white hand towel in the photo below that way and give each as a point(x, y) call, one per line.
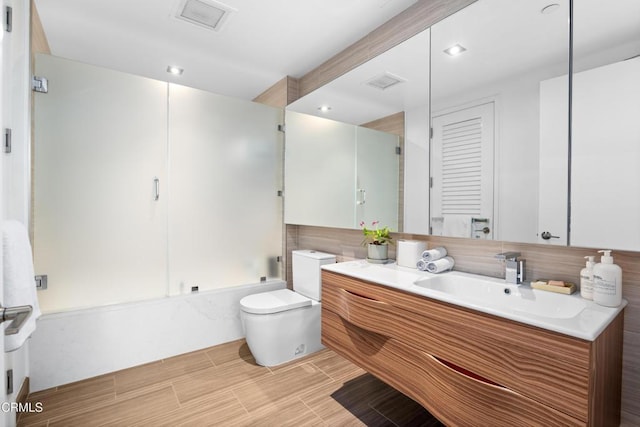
point(19, 279)
point(457, 226)
point(434, 254)
point(440, 265)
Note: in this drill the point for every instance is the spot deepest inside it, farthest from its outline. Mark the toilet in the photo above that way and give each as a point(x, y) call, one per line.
point(283, 325)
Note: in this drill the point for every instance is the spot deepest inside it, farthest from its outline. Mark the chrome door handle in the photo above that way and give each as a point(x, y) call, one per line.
point(18, 314)
point(547, 235)
point(156, 188)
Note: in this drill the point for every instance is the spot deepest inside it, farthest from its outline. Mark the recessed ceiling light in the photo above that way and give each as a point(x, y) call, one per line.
point(550, 8)
point(176, 71)
point(324, 108)
point(454, 50)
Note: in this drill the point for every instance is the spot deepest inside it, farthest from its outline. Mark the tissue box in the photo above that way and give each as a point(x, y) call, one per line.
point(409, 252)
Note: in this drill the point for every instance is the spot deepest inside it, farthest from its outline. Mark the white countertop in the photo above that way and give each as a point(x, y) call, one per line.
point(567, 314)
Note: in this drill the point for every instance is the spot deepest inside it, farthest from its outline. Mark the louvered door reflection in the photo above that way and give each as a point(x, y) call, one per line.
point(462, 173)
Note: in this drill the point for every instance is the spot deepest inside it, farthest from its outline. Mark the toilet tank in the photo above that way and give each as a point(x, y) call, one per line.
point(306, 271)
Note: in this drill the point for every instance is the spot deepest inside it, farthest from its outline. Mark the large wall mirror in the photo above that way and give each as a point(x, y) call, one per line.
point(459, 187)
point(494, 65)
point(500, 163)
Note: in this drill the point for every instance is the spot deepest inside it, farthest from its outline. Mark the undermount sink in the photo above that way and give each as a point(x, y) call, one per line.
point(498, 294)
point(567, 314)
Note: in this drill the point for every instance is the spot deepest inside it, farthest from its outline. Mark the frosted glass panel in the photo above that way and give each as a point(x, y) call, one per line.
point(320, 170)
point(225, 215)
point(100, 139)
point(377, 180)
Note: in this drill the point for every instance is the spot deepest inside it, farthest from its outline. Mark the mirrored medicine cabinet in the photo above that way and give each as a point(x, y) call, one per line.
point(507, 139)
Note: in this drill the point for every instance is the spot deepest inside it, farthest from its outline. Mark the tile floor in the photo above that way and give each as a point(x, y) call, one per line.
point(223, 386)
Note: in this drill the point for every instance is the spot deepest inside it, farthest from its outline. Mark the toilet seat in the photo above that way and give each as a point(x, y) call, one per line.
point(273, 302)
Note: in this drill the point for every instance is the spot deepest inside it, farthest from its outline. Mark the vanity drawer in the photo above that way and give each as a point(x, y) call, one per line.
point(451, 395)
point(550, 368)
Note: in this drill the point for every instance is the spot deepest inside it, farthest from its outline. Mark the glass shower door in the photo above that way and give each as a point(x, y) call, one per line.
point(144, 189)
point(99, 163)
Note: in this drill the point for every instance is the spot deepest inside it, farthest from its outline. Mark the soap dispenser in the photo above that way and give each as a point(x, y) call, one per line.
point(607, 281)
point(586, 278)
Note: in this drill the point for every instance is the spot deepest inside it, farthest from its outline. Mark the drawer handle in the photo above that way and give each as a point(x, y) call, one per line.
point(466, 372)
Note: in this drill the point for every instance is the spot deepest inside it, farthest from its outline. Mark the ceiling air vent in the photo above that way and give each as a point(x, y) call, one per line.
point(384, 81)
point(205, 13)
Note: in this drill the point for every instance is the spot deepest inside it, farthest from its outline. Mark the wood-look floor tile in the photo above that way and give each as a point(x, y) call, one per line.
point(301, 360)
point(122, 412)
point(337, 367)
point(214, 409)
point(229, 352)
point(223, 386)
point(160, 372)
point(291, 412)
point(274, 388)
point(70, 398)
point(347, 403)
point(44, 423)
point(218, 378)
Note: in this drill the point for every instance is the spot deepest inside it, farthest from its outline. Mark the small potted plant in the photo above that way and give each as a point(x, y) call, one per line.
point(377, 241)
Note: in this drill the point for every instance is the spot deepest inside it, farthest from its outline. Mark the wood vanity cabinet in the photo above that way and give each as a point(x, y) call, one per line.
point(470, 368)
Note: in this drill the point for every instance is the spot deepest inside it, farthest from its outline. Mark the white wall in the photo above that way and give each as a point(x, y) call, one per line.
point(17, 97)
point(15, 166)
point(4, 417)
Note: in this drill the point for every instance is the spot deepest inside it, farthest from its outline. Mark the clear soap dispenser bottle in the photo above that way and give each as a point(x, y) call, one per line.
point(586, 278)
point(607, 281)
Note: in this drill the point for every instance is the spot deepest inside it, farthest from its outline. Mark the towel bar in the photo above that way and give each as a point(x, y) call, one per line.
point(18, 314)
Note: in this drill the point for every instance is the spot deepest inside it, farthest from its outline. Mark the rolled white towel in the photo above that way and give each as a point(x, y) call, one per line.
point(434, 254)
point(421, 264)
point(440, 265)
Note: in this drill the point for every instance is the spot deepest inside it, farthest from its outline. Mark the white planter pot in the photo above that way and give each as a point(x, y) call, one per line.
point(377, 252)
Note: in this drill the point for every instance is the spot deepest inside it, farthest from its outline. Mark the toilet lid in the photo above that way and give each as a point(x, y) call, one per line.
point(273, 302)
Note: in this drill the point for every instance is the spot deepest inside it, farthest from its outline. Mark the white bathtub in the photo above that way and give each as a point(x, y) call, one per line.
point(75, 345)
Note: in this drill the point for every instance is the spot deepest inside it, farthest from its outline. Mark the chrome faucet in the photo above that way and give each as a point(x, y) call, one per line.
point(514, 267)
